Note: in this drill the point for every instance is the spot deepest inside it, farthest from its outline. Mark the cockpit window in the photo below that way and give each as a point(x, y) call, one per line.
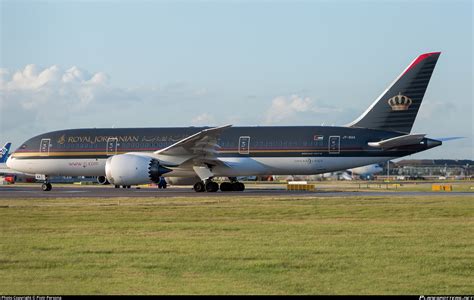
point(23, 146)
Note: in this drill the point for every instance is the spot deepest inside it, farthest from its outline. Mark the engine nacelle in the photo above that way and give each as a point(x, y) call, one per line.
point(102, 180)
point(131, 169)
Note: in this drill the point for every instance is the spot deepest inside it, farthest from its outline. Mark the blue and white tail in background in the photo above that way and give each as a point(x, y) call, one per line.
point(4, 152)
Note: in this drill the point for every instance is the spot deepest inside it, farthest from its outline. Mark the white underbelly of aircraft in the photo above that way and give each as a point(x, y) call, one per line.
point(247, 166)
point(233, 166)
point(62, 167)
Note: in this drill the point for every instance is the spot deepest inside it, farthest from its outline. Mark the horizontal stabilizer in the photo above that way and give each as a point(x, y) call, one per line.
point(399, 141)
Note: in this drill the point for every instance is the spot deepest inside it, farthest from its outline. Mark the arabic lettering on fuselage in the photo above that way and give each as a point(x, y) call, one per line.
point(120, 138)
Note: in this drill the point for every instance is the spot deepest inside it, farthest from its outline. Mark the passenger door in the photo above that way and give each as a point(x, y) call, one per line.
point(334, 144)
point(244, 145)
point(111, 146)
point(44, 147)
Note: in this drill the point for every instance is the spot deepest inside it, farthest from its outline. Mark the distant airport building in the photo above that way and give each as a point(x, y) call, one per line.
point(432, 167)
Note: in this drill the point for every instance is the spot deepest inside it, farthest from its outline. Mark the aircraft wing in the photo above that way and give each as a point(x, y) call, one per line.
point(398, 141)
point(201, 146)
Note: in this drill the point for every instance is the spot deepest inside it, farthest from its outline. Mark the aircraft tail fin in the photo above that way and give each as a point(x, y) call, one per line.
point(396, 108)
point(4, 152)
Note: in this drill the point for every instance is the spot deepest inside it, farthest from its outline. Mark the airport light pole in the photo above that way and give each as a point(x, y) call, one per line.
point(388, 170)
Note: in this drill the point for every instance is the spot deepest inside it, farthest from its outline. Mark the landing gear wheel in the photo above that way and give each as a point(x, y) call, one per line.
point(117, 186)
point(212, 187)
point(226, 187)
point(46, 186)
point(199, 187)
point(238, 186)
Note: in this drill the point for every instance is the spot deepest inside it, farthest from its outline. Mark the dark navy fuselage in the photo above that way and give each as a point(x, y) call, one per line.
point(284, 141)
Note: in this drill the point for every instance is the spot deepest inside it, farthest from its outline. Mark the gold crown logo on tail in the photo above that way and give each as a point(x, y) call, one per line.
point(400, 102)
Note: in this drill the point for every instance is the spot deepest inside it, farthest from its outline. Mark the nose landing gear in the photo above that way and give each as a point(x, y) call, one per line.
point(46, 187)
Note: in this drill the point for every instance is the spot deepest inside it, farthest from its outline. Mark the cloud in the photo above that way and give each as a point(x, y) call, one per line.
point(287, 108)
point(203, 119)
point(33, 89)
point(430, 109)
point(37, 99)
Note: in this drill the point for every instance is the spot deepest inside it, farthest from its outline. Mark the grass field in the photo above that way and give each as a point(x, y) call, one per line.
point(371, 245)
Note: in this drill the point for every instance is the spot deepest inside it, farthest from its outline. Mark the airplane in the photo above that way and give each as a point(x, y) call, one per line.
point(4, 153)
point(364, 172)
point(4, 171)
point(9, 175)
point(132, 156)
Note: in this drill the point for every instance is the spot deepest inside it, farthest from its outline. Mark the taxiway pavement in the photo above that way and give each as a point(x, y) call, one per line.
point(34, 191)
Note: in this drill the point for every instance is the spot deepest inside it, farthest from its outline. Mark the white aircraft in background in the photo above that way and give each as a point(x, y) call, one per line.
point(4, 153)
point(364, 172)
point(8, 174)
point(4, 170)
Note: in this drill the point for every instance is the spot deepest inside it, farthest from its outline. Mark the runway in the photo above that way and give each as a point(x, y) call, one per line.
point(34, 191)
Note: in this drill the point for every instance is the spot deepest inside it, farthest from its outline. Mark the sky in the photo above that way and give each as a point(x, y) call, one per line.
point(75, 64)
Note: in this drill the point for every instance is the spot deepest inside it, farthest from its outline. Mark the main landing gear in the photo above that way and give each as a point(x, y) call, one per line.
point(211, 186)
point(232, 186)
point(123, 186)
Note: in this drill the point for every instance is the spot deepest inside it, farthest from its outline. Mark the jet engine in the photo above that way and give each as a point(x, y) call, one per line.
point(102, 180)
point(131, 169)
